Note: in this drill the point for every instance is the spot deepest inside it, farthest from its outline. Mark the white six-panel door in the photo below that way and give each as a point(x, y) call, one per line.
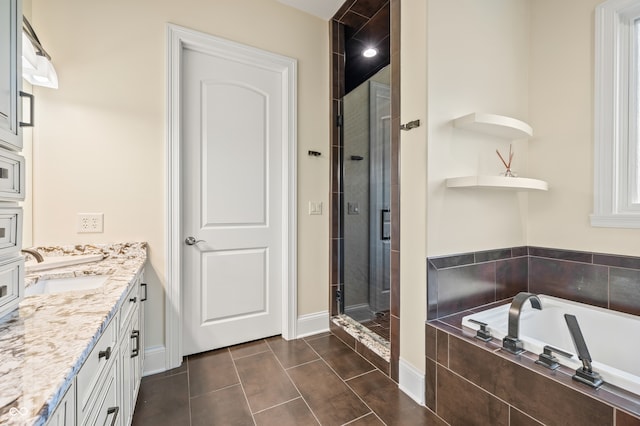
point(232, 171)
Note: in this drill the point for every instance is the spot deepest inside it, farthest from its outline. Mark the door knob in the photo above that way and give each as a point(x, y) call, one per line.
point(191, 241)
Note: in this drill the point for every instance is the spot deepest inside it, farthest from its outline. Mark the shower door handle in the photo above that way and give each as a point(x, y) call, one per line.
point(385, 224)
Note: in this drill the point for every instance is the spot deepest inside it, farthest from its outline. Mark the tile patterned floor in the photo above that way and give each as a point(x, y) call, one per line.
point(318, 380)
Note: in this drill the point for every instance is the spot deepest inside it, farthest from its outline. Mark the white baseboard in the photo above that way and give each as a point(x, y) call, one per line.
point(154, 361)
point(411, 381)
point(310, 324)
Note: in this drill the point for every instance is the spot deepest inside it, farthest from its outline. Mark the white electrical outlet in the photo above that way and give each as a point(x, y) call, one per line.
point(90, 223)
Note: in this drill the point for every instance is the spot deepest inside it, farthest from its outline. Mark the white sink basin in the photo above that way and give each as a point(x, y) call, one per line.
point(60, 285)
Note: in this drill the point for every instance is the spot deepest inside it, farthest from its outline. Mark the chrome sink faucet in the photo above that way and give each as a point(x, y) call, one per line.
point(511, 342)
point(33, 252)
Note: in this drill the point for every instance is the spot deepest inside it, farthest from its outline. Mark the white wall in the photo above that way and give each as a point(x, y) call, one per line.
point(100, 141)
point(465, 56)
point(562, 84)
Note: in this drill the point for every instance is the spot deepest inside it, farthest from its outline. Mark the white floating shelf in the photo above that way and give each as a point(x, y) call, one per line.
point(495, 125)
point(513, 183)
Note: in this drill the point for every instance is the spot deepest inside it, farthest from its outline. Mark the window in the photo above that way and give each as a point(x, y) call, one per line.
point(617, 115)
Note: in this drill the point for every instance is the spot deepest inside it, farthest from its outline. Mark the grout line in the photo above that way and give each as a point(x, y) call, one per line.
point(188, 390)
point(278, 405)
point(235, 367)
point(294, 384)
point(361, 417)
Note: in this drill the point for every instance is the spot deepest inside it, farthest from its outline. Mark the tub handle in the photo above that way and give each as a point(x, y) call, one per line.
point(546, 358)
point(483, 333)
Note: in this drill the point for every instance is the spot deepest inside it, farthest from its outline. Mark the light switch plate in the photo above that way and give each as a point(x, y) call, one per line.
point(90, 223)
point(315, 207)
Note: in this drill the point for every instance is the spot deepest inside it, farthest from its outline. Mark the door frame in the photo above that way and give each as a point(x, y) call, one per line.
point(179, 38)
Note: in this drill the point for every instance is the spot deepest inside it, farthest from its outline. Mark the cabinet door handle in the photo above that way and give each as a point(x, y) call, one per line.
point(135, 334)
point(133, 299)
point(31, 108)
point(3, 291)
point(145, 292)
point(106, 354)
point(114, 411)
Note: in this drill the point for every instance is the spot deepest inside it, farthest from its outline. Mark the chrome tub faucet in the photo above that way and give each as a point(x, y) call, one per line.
point(511, 342)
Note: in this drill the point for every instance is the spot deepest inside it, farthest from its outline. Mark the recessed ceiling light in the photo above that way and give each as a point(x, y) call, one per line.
point(370, 52)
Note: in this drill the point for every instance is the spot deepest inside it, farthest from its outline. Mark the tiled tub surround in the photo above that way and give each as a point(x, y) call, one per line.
point(459, 282)
point(471, 382)
point(45, 341)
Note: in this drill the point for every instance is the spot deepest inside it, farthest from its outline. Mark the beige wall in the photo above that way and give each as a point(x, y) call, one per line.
point(100, 141)
point(562, 55)
point(469, 57)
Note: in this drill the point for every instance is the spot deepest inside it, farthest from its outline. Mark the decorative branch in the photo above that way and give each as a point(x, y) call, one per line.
point(507, 165)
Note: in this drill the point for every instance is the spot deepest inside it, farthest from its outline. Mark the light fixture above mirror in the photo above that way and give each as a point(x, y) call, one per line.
point(37, 68)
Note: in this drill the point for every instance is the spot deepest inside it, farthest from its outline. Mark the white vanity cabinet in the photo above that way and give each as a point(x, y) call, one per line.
point(10, 74)
point(107, 384)
point(65, 413)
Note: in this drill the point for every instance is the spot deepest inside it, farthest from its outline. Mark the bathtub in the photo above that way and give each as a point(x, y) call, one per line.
point(613, 338)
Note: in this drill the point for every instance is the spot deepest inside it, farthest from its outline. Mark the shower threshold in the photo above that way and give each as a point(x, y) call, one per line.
point(362, 334)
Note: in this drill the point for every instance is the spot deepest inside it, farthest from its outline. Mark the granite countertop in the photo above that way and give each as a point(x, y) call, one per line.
point(45, 341)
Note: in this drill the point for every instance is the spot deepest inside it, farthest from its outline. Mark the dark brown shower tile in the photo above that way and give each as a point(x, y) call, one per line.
point(343, 9)
point(452, 261)
point(581, 282)
point(348, 339)
point(210, 371)
point(624, 419)
point(329, 398)
point(293, 413)
point(461, 403)
point(430, 384)
point(377, 29)
point(375, 359)
point(344, 361)
point(335, 264)
point(223, 407)
point(392, 405)
point(512, 277)
point(352, 22)
point(395, 31)
point(455, 320)
point(442, 348)
point(395, 218)
point(430, 342)
point(519, 251)
point(531, 392)
point(335, 310)
point(335, 37)
point(465, 287)
point(395, 283)
point(368, 8)
point(518, 418)
point(395, 348)
point(291, 352)
point(624, 290)
point(264, 381)
point(489, 255)
point(618, 261)
point(249, 348)
point(574, 256)
point(432, 291)
point(156, 406)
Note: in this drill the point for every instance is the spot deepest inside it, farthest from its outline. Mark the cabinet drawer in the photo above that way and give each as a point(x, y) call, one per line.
point(11, 284)
point(89, 379)
point(11, 176)
point(10, 230)
point(106, 411)
point(129, 305)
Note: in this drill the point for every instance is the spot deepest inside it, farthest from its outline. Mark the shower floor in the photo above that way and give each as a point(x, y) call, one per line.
point(380, 325)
